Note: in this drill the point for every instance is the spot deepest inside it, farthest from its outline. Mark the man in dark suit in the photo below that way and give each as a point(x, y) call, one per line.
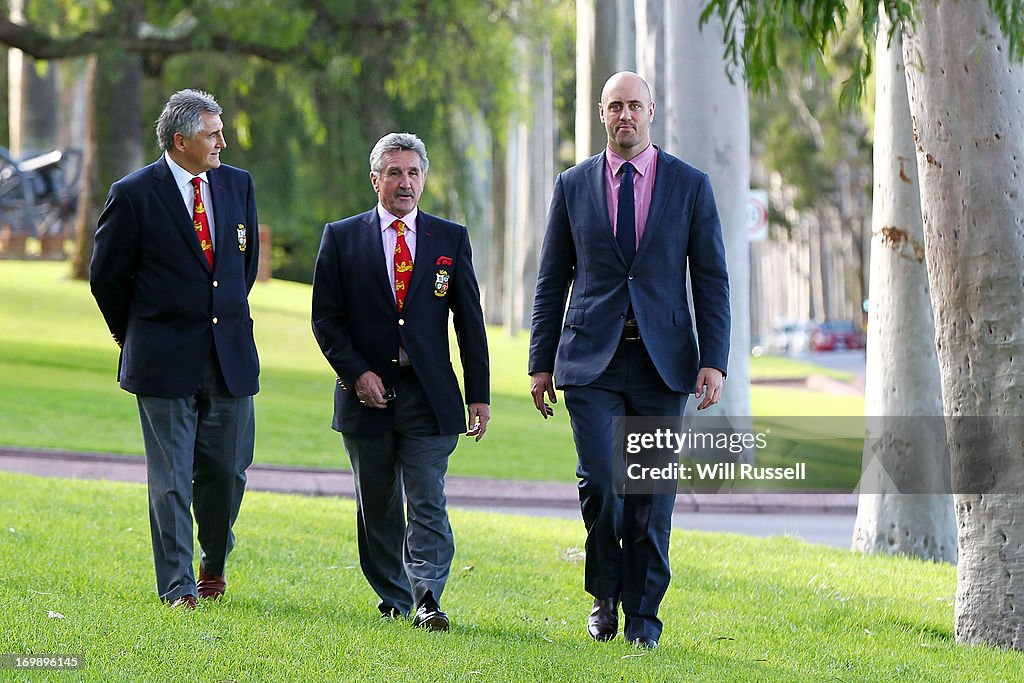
point(175, 258)
point(384, 286)
point(622, 229)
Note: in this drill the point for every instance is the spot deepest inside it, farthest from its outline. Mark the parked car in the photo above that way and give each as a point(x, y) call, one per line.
point(789, 337)
point(836, 334)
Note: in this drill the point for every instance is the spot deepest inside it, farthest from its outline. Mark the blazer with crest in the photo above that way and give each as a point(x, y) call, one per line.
point(358, 326)
point(161, 301)
point(579, 249)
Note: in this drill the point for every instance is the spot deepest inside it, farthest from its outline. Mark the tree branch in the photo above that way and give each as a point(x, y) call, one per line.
point(39, 45)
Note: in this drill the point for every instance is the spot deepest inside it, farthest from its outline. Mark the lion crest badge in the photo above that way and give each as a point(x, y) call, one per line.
point(241, 237)
point(441, 283)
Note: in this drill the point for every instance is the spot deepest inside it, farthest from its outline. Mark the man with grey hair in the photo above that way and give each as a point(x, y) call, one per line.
point(175, 257)
point(385, 284)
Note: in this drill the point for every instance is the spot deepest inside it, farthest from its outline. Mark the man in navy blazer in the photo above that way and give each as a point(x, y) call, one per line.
point(385, 284)
point(175, 257)
point(623, 228)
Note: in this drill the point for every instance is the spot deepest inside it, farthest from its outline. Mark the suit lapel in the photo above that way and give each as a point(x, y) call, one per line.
point(373, 248)
point(170, 195)
point(664, 180)
point(425, 249)
point(224, 237)
point(595, 183)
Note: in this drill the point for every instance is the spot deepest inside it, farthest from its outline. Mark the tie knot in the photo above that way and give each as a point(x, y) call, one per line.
point(626, 168)
point(197, 182)
point(399, 227)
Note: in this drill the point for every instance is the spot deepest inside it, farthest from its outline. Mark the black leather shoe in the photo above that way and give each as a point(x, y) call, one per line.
point(645, 643)
point(603, 622)
point(387, 613)
point(429, 615)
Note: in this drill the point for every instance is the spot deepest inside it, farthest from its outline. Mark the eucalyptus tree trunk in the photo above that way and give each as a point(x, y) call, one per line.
point(709, 127)
point(605, 44)
point(650, 53)
point(494, 312)
point(531, 176)
point(967, 105)
point(32, 98)
point(902, 367)
point(113, 145)
point(474, 148)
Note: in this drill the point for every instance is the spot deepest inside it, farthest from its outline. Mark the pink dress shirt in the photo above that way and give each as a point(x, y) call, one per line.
point(646, 165)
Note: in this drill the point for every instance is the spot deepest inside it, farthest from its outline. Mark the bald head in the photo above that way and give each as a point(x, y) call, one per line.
point(626, 110)
point(625, 78)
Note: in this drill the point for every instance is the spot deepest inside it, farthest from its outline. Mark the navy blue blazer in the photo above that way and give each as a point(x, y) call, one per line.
point(154, 286)
point(579, 249)
point(357, 324)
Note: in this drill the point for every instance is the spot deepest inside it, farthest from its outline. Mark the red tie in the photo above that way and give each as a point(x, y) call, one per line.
point(403, 265)
point(202, 223)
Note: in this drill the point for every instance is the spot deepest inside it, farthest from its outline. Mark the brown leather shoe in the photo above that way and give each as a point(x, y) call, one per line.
point(209, 586)
point(603, 622)
point(184, 602)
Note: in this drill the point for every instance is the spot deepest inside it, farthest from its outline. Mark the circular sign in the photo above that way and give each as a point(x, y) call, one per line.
point(757, 215)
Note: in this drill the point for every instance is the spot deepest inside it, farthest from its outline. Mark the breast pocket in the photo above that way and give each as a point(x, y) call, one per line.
point(573, 318)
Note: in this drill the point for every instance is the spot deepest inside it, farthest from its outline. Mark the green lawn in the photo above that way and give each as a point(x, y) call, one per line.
point(58, 388)
point(298, 608)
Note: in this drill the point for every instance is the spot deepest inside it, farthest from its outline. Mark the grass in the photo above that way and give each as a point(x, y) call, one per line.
point(58, 387)
point(298, 608)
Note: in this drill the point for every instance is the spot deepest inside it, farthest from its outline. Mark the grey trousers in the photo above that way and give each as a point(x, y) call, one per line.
point(197, 451)
point(403, 558)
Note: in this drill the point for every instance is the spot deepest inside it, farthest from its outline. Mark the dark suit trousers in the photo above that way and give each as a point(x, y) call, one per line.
point(627, 535)
point(402, 560)
point(197, 451)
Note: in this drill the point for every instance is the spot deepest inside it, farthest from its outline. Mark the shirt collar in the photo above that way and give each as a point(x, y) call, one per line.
point(181, 176)
point(641, 162)
point(387, 218)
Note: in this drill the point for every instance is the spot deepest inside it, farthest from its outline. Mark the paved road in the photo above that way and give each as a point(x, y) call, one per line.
point(852, 361)
point(817, 518)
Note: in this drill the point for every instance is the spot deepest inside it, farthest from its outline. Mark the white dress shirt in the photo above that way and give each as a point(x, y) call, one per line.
point(183, 179)
point(389, 238)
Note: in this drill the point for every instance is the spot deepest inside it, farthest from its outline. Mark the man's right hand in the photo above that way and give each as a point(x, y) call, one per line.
point(370, 390)
point(541, 384)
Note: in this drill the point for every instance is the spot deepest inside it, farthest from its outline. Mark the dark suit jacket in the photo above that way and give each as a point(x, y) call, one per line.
point(579, 249)
point(155, 289)
point(358, 327)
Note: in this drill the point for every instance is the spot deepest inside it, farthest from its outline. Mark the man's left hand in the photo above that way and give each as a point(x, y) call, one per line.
point(709, 383)
point(479, 416)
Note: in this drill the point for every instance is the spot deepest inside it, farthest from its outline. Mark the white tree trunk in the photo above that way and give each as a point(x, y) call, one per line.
point(32, 98)
point(475, 193)
point(709, 127)
point(605, 44)
point(650, 54)
point(967, 104)
point(902, 368)
point(531, 173)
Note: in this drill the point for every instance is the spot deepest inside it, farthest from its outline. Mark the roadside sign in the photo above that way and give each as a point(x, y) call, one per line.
point(757, 215)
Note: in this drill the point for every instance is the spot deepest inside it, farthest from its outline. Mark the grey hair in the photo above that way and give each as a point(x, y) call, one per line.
point(183, 114)
point(397, 142)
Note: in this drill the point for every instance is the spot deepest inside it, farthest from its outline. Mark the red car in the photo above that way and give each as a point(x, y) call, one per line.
point(836, 334)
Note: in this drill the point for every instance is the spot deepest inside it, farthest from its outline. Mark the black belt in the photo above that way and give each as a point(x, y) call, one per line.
point(631, 331)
